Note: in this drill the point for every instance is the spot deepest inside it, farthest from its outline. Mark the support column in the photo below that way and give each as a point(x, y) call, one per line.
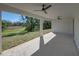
point(52, 29)
point(76, 31)
point(41, 27)
point(41, 34)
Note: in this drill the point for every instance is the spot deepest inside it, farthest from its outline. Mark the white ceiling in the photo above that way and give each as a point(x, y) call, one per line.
point(57, 9)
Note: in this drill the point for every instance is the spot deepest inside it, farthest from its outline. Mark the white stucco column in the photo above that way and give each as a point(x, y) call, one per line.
point(0, 35)
point(41, 27)
point(76, 30)
point(52, 28)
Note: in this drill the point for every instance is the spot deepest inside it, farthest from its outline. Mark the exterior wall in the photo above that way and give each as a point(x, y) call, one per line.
point(63, 26)
point(76, 31)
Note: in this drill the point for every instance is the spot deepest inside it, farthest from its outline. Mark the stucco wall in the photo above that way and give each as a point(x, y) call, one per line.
point(63, 26)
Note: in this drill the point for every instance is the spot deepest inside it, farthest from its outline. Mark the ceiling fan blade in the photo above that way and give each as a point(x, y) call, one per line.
point(48, 7)
point(45, 12)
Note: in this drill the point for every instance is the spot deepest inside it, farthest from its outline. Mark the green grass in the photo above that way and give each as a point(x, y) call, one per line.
point(0, 23)
point(12, 41)
point(10, 32)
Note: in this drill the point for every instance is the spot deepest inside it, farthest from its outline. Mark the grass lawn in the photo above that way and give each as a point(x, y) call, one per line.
point(11, 41)
point(8, 32)
point(0, 22)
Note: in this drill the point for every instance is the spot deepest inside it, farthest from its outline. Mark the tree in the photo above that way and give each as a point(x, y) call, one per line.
point(5, 24)
point(46, 25)
point(31, 23)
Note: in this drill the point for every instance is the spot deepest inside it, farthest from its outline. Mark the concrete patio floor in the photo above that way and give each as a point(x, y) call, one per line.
point(61, 45)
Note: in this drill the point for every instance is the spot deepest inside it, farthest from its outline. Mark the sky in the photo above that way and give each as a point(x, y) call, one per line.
point(12, 17)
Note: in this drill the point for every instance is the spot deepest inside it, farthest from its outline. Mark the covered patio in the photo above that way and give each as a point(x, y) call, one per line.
point(62, 40)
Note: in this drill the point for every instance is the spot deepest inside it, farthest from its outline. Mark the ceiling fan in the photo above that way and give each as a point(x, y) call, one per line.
point(44, 8)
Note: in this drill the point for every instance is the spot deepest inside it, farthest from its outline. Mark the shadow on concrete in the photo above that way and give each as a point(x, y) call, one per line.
point(41, 42)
